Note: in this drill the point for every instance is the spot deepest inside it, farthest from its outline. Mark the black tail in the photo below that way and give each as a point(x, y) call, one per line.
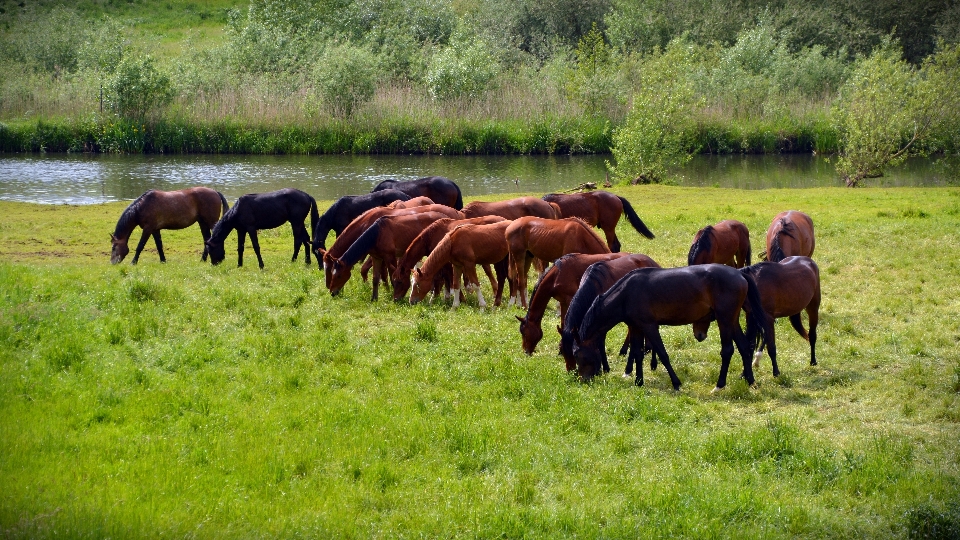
point(314, 215)
point(701, 243)
point(459, 204)
point(362, 245)
point(223, 203)
point(756, 318)
point(635, 219)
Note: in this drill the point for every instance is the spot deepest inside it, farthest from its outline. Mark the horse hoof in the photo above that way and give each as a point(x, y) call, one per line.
point(716, 389)
point(626, 375)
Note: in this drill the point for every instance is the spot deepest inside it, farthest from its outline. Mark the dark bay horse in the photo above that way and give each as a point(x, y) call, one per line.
point(426, 241)
point(600, 209)
point(647, 298)
point(464, 247)
point(595, 280)
point(547, 240)
point(346, 209)
point(513, 208)
point(790, 233)
point(155, 210)
point(786, 289)
point(440, 190)
point(384, 241)
point(727, 242)
point(258, 211)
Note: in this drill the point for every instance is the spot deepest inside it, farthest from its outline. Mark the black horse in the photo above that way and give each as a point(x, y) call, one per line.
point(347, 208)
point(257, 211)
point(650, 297)
point(440, 190)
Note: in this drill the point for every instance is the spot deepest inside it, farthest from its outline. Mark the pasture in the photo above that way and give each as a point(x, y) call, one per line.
point(182, 399)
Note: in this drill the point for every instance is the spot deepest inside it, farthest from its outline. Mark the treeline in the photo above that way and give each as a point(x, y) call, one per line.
point(490, 76)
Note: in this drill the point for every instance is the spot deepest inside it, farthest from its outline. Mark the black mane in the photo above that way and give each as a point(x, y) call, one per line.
point(128, 219)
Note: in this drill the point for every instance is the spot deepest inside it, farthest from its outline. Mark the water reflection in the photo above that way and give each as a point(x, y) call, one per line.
point(88, 179)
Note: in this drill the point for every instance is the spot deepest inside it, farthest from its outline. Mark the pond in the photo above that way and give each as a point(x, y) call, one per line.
point(96, 178)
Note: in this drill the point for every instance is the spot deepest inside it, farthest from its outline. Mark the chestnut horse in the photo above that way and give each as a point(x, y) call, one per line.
point(363, 222)
point(385, 241)
point(155, 210)
point(346, 209)
point(411, 203)
point(257, 211)
point(650, 297)
point(786, 289)
point(513, 208)
point(464, 247)
point(440, 190)
point(790, 233)
point(424, 243)
point(727, 242)
point(548, 240)
point(600, 209)
point(596, 280)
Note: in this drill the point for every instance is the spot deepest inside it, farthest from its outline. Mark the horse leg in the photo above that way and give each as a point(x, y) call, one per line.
point(652, 335)
point(377, 271)
point(143, 242)
point(159, 242)
point(771, 341)
point(522, 280)
point(470, 273)
point(256, 247)
point(365, 269)
point(637, 351)
point(205, 232)
point(457, 271)
point(501, 271)
point(296, 242)
point(611, 233)
point(241, 238)
point(301, 237)
point(813, 312)
point(603, 354)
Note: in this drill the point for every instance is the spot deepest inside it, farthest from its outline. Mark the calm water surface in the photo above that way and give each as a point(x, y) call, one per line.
point(95, 178)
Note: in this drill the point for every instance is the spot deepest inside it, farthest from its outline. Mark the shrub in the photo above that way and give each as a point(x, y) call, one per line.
point(102, 47)
point(345, 77)
point(137, 88)
point(49, 41)
point(463, 69)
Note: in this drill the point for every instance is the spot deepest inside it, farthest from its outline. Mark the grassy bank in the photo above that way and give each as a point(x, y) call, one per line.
point(182, 399)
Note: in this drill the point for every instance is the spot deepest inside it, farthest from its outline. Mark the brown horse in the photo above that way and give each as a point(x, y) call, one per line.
point(548, 240)
point(416, 201)
point(384, 241)
point(425, 242)
point(600, 209)
point(727, 242)
point(513, 209)
point(464, 247)
point(561, 282)
point(790, 233)
point(363, 222)
point(786, 289)
point(155, 210)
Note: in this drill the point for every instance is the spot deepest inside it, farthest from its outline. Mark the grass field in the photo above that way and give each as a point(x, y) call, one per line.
point(181, 399)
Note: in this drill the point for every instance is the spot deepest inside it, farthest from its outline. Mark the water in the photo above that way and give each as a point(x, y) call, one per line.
point(96, 178)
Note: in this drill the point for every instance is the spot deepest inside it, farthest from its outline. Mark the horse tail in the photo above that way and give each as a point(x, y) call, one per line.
point(223, 204)
point(362, 245)
point(700, 243)
point(458, 205)
point(776, 251)
point(635, 219)
point(314, 215)
point(756, 317)
point(556, 209)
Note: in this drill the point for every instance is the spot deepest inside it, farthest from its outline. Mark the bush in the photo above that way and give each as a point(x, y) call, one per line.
point(463, 69)
point(137, 88)
point(102, 47)
point(49, 41)
point(345, 78)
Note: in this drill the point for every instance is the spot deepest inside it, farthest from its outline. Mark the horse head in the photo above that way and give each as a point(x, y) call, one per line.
point(418, 290)
point(118, 250)
point(400, 281)
point(216, 252)
point(587, 355)
point(339, 275)
point(531, 335)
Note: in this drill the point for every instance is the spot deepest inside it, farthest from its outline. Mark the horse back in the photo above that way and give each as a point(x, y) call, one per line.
point(787, 287)
point(178, 209)
point(792, 233)
point(481, 244)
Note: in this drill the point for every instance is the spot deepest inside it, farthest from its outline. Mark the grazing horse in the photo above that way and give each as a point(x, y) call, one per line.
point(424, 243)
point(790, 233)
point(440, 190)
point(385, 241)
point(346, 209)
point(600, 209)
point(727, 242)
point(257, 211)
point(787, 288)
point(650, 297)
point(414, 202)
point(357, 227)
point(513, 208)
point(594, 281)
point(464, 247)
point(155, 210)
point(547, 240)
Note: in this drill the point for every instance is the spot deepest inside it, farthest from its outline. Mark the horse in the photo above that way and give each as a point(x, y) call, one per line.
point(385, 241)
point(547, 240)
point(357, 227)
point(600, 209)
point(727, 242)
point(787, 288)
point(650, 297)
point(155, 210)
point(790, 233)
point(411, 203)
point(513, 209)
point(440, 190)
point(594, 281)
point(464, 247)
point(258, 211)
point(346, 209)
point(425, 242)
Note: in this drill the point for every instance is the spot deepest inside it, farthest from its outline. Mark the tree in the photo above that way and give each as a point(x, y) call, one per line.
point(345, 77)
point(137, 88)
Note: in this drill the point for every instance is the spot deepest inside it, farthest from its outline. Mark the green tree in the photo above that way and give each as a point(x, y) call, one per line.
point(594, 83)
point(345, 77)
point(462, 69)
point(137, 88)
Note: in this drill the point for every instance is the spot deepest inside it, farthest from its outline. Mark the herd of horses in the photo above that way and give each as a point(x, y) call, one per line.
point(418, 237)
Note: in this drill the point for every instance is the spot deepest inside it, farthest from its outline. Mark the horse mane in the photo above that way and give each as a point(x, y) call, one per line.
point(224, 224)
point(701, 243)
point(590, 230)
point(363, 244)
point(555, 268)
point(128, 219)
point(432, 263)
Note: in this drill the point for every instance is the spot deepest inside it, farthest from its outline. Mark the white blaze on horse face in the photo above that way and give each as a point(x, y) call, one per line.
point(325, 266)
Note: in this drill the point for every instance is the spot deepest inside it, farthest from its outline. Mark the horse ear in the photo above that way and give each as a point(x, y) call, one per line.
point(519, 318)
point(576, 336)
point(559, 330)
point(113, 238)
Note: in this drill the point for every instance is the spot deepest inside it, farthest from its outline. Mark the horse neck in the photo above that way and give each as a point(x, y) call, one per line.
point(223, 227)
point(127, 221)
point(542, 293)
point(438, 258)
point(363, 245)
point(602, 315)
point(415, 251)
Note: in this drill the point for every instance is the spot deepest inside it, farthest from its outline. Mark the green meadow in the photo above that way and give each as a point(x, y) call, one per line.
point(185, 400)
